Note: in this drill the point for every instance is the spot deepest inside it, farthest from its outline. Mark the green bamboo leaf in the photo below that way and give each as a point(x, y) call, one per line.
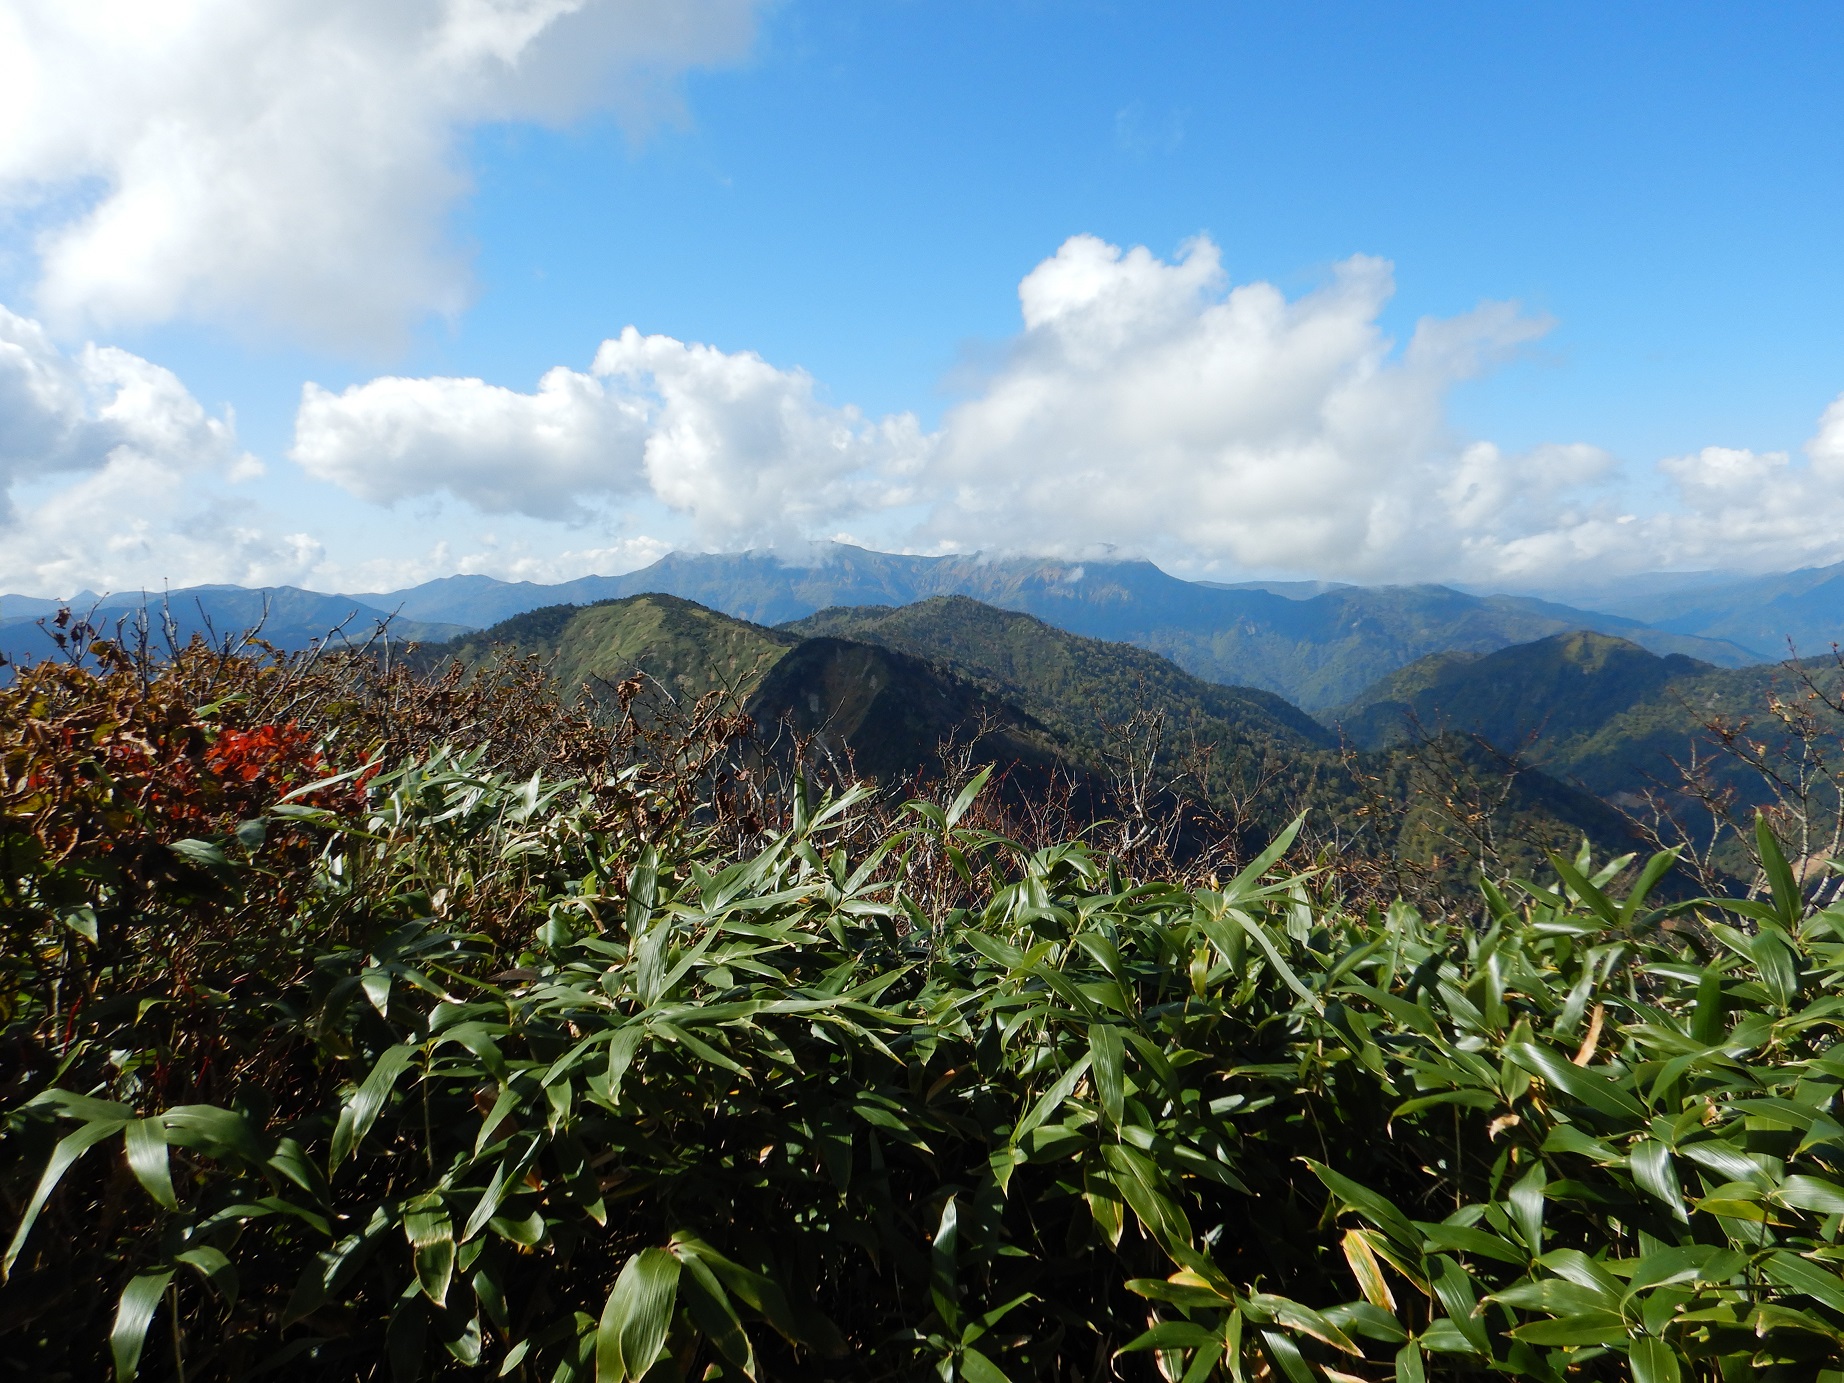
point(1595, 1327)
point(1108, 1053)
point(1409, 1367)
point(1170, 1335)
point(977, 1368)
point(1798, 1274)
point(1052, 1099)
point(1583, 888)
point(1656, 868)
point(1285, 1353)
point(361, 1111)
point(1590, 1087)
point(134, 1312)
point(1380, 1211)
point(1706, 1024)
point(1527, 1196)
point(1454, 1288)
point(1654, 1361)
point(1657, 1175)
point(1789, 901)
point(69, 1148)
point(1251, 876)
point(943, 1266)
point(711, 1311)
point(1259, 935)
point(426, 1224)
point(215, 1268)
point(635, 1319)
point(222, 1133)
point(1463, 1239)
point(144, 1140)
point(1143, 1188)
point(964, 798)
point(1811, 1193)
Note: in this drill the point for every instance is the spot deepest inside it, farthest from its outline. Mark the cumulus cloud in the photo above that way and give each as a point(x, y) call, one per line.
point(114, 453)
point(62, 413)
point(502, 451)
point(1146, 405)
point(746, 451)
point(290, 163)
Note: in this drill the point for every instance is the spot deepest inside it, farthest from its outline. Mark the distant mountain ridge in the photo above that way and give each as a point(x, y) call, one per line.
point(1319, 644)
point(1761, 613)
point(1318, 650)
point(285, 616)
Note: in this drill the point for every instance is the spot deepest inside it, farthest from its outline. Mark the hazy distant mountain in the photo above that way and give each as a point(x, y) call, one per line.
point(283, 615)
point(1760, 613)
point(1317, 650)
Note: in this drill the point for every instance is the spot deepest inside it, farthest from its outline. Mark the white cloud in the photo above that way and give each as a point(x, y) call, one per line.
point(63, 413)
point(502, 451)
point(1147, 405)
point(290, 163)
point(746, 451)
point(115, 459)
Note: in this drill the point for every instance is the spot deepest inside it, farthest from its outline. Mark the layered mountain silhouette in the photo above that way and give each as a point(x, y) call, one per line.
point(285, 616)
point(884, 688)
point(1319, 644)
point(1594, 710)
point(1316, 647)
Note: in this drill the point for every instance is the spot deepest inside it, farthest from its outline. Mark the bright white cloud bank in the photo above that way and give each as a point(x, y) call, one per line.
point(119, 460)
point(745, 451)
point(289, 163)
point(1146, 405)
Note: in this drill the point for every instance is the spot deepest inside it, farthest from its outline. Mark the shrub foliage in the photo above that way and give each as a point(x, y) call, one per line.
point(335, 1056)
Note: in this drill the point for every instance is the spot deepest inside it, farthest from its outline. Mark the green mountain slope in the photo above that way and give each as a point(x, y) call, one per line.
point(891, 713)
point(1317, 651)
point(886, 686)
point(686, 648)
point(1064, 679)
point(1599, 711)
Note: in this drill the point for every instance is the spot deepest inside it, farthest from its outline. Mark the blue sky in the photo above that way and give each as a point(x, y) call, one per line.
point(856, 191)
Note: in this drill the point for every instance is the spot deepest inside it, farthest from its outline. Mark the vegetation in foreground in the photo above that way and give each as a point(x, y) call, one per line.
point(335, 1052)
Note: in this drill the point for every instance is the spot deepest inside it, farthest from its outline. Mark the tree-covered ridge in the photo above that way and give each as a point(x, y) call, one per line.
point(1066, 679)
point(364, 1058)
point(683, 647)
point(1592, 709)
point(1318, 651)
point(1120, 724)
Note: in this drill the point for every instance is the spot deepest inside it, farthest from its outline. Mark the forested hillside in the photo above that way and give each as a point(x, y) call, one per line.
point(1317, 652)
point(1126, 730)
point(1596, 710)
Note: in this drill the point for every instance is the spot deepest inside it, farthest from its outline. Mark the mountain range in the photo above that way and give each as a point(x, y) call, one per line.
point(1597, 711)
point(1319, 644)
point(285, 616)
point(885, 686)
